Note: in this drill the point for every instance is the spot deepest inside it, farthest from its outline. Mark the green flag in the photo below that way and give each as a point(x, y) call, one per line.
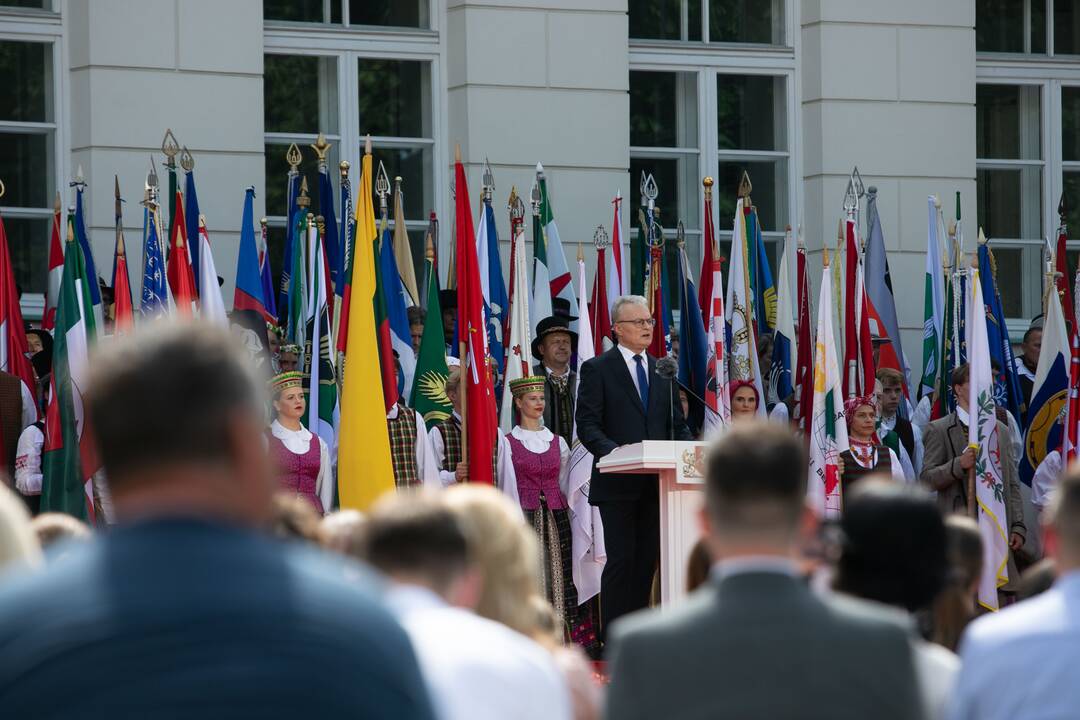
point(66, 465)
point(429, 384)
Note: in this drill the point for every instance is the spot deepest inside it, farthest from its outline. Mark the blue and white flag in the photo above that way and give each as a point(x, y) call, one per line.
point(1006, 383)
point(693, 353)
point(397, 315)
point(154, 298)
point(783, 358)
point(1048, 393)
point(88, 253)
point(191, 221)
point(491, 280)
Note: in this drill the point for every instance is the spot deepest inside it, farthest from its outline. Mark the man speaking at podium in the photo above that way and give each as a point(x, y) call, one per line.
point(622, 400)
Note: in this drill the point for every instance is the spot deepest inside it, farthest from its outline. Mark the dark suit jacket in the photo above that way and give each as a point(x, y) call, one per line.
point(609, 414)
point(551, 417)
point(762, 645)
point(182, 618)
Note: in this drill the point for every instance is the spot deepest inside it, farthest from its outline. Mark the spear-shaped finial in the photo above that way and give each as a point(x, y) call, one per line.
point(78, 182)
point(169, 148)
point(294, 157)
point(56, 204)
point(534, 196)
point(186, 160)
point(957, 205)
point(116, 193)
point(825, 256)
point(382, 187)
point(745, 187)
point(982, 237)
point(488, 186)
point(303, 201)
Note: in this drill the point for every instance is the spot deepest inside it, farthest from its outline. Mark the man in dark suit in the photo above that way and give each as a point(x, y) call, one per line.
point(621, 401)
point(186, 609)
point(755, 641)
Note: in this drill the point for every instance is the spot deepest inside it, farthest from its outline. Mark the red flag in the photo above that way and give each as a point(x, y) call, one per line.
point(709, 251)
point(655, 291)
point(601, 318)
point(181, 278)
point(56, 270)
point(1062, 277)
point(13, 348)
point(124, 313)
point(382, 331)
point(1072, 410)
point(804, 348)
point(481, 425)
point(858, 370)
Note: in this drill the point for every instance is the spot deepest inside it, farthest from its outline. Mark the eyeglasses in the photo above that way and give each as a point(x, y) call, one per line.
point(640, 323)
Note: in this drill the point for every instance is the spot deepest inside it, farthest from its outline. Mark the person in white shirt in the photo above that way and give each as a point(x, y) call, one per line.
point(413, 459)
point(302, 458)
point(475, 668)
point(1040, 635)
point(898, 433)
point(1046, 479)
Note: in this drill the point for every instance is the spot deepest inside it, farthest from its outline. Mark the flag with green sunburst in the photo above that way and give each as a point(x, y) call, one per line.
point(429, 384)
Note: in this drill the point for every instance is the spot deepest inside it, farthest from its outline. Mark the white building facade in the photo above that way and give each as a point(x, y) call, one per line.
point(925, 97)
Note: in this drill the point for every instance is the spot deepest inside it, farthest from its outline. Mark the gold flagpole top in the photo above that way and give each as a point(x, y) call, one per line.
point(186, 160)
point(982, 237)
point(344, 166)
point(429, 249)
point(745, 187)
point(263, 221)
point(169, 147)
point(303, 201)
point(293, 157)
point(825, 257)
point(321, 148)
point(367, 144)
point(202, 221)
point(457, 152)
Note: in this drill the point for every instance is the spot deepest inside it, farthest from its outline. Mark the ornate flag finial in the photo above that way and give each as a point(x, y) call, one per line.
point(78, 182)
point(321, 148)
point(680, 235)
point(515, 205)
point(649, 190)
point(856, 180)
point(169, 147)
point(303, 200)
point(293, 156)
point(382, 186)
point(344, 166)
point(534, 195)
point(600, 238)
point(745, 187)
point(186, 161)
point(488, 181)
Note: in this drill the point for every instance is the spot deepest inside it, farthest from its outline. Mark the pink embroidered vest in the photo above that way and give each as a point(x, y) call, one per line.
point(537, 474)
point(298, 473)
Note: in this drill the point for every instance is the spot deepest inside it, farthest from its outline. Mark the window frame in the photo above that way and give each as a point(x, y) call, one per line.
point(45, 26)
point(346, 27)
point(348, 44)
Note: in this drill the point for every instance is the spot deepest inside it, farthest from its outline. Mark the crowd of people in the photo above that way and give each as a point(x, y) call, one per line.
point(230, 584)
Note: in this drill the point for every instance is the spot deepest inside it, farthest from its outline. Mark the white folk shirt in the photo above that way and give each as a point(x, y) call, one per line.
point(475, 668)
point(28, 461)
point(298, 442)
point(29, 406)
point(507, 482)
point(426, 464)
point(887, 425)
point(536, 441)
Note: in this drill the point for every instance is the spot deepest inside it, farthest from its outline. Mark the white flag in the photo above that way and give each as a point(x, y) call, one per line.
point(828, 427)
point(743, 356)
point(519, 349)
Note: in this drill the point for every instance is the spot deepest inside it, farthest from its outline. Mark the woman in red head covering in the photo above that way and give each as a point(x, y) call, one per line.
point(744, 400)
point(865, 453)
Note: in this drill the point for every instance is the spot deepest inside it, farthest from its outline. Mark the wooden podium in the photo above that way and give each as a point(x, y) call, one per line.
point(680, 468)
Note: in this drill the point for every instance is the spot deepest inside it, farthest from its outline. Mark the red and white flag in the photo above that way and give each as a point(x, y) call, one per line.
point(56, 270)
point(858, 370)
point(13, 347)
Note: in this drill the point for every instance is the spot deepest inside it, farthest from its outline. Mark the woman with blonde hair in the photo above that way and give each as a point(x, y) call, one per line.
point(302, 458)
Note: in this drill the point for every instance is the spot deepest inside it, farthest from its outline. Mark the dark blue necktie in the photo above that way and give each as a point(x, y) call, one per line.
point(642, 381)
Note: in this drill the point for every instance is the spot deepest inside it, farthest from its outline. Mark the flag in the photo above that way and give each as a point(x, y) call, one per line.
point(783, 356)
point(519, 344)
point(717, 398)
point(155, 290)
point(1006, 383)
point(858, 348)
point(387, 366)
point(68, 460)
point(343, 288)
point(1071, 439)
point(540, 301)
point(480, 426)
point(804, 362)
point(600, 302)
point(933, 305)
point(13, 347)
point(741, 337)
point(329, 241)
point(292, 192)
point(192, 216)
point(429, 396)
point(692, 342)
point(396, 316)
point(879, 292)
point(828, 427)
point(181, 277)
point(1061, 263)
point(983, 435)
point(364, 468)
point(323, 413)
point(56, 270)
point(558, 271)
point(761, 280)
point(654, 288)
point(1048, 392)
point(266, 281)
point(494, 290)
point(403, 258)
point(296, 310)
point(249, 282)
point(123, 311)
point(211, 305)
point(709, 252)
point(619, 279)
point(88, 256)
point(587, 555)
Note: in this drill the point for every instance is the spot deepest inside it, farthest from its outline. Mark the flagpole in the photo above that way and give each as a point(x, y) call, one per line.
point(464, 359)
point(170, 147)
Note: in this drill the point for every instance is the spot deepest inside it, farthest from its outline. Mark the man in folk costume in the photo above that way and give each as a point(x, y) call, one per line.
point(410, 451)
point(948, 458)
point(537, 477)
point(554, 345)
point(865, 454)
point(445, 440)
point(894, 431)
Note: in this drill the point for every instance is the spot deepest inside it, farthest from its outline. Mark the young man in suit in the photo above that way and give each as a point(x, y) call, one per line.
point(755, 641)
point(621, 401)
point(188, 608)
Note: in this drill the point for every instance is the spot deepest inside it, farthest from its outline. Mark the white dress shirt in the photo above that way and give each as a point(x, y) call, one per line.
point(426, 465)
point(29, 406)
point(888, 424)
point(632, 366)
point(1021, 662)
point(536, 441)
point(475, 668)
point(28, 461)
point(298, 442)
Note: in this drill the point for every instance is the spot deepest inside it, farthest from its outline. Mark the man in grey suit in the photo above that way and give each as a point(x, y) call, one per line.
point(755, 641)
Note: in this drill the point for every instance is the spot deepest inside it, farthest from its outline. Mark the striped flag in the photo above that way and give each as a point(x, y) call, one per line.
point(495, 300)
point(828, 427)
point(717, 396)
point(323, 412)
point(804, 363)
point(983, 434)
point(123, 312)
point(88, 257)
point(56, 270)
point(741, 334)
point(397, 318)
point(249, 281)
point(181, 276)
point(601, 304)
point(540, 298)
point(211, 305)
point(933, 304)
point(858, 372)
point(403, 252)
point(13, 347)
point(191, 218)
point(562, 285)
point(1072, 410)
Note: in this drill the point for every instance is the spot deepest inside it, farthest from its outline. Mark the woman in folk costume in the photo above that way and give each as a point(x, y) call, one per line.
point(865, 453)
point(302, 458)
point(744, 400)
point(539, 467)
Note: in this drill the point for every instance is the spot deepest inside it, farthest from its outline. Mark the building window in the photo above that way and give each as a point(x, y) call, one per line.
point(711, 21)
point(1036, 27)
point(28, 156)
point(350, 13)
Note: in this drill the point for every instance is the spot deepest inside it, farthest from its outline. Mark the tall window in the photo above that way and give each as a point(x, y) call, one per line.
point(712, 93)
point(30, 160)
point(1027, 108)
point(377, 80)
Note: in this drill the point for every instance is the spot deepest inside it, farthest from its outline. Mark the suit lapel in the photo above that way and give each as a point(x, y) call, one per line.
point(653, 390)
point(627, 384)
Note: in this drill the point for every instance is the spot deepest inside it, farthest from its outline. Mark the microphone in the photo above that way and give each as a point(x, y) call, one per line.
point(667, 367)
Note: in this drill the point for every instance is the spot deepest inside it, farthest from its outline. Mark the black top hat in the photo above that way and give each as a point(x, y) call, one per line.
point(554, 324)
point(560, 307)
point(447, 299)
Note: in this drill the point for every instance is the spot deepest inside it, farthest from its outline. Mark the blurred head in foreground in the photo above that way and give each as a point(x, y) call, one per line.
point(178, 418)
